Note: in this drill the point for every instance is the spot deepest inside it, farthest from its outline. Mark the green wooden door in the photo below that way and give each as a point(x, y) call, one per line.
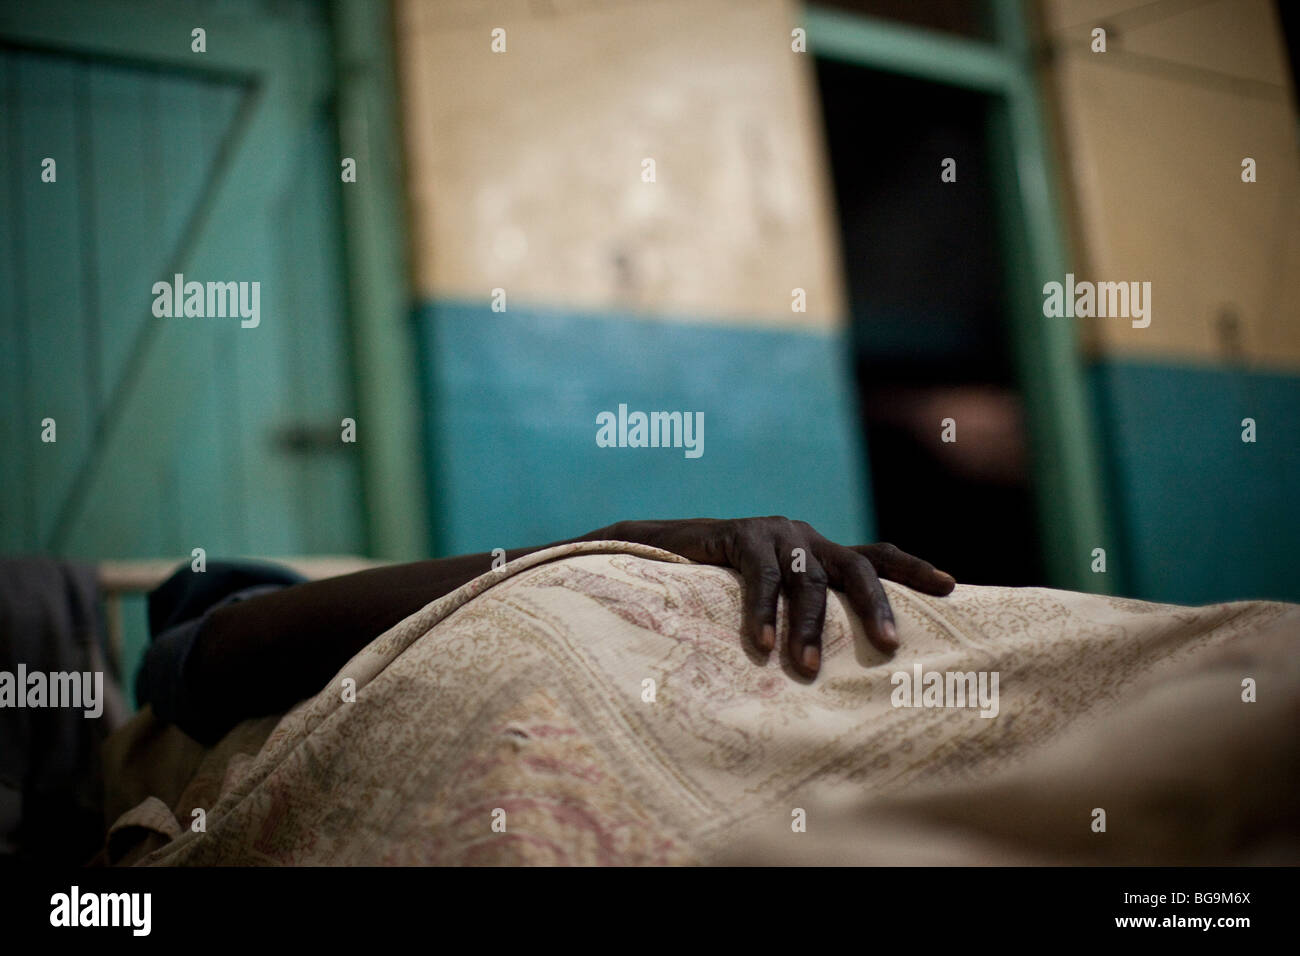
point(172, 433)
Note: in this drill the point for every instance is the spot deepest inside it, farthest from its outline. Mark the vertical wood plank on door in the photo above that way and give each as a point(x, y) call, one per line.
point(271, 251)
point(125, 253)
point(196, 115)
point(321, 389)
point(19, 436)
point(50, 259)
point(260, 392)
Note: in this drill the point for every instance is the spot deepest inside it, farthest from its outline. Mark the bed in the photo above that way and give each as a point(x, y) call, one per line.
point(593, 704)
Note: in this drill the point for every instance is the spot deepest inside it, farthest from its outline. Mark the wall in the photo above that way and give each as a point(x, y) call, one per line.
point(525, 174)
point(1153, 133)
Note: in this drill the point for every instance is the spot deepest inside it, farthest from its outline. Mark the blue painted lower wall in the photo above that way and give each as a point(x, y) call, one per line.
point(1202, 515)
point(512, 400)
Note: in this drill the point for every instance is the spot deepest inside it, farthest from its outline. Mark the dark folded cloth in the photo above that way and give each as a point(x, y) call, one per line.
point(178, 610)
point(49, 750)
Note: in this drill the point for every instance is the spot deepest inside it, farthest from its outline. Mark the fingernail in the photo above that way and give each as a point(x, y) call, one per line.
point(812, 657)
point(888, 632)
point(767, 638)
point(948, 578)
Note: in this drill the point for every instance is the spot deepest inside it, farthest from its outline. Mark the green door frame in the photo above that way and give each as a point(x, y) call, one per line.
point(250, 47)
point(379, 294)
point(1070, 499)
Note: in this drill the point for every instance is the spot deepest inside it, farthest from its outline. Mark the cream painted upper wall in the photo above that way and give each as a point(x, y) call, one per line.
point(525, 167)
point(1154, 133)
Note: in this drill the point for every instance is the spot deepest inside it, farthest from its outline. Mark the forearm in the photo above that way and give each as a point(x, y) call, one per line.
point(262, 655)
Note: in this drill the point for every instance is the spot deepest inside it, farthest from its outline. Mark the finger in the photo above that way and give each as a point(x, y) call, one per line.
point(853, 574)
point(805, 590)
point(761, 574)
point(897, 565)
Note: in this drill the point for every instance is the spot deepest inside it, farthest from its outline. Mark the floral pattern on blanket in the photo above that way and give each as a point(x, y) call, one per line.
point(512, 721)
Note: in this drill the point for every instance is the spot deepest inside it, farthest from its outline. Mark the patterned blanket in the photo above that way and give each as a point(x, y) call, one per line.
point(595, 704)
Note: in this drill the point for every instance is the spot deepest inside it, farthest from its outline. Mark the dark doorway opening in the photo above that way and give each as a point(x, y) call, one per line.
point(927, 290)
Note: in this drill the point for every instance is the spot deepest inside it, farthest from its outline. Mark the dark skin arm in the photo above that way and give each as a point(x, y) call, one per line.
point(278, 648)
